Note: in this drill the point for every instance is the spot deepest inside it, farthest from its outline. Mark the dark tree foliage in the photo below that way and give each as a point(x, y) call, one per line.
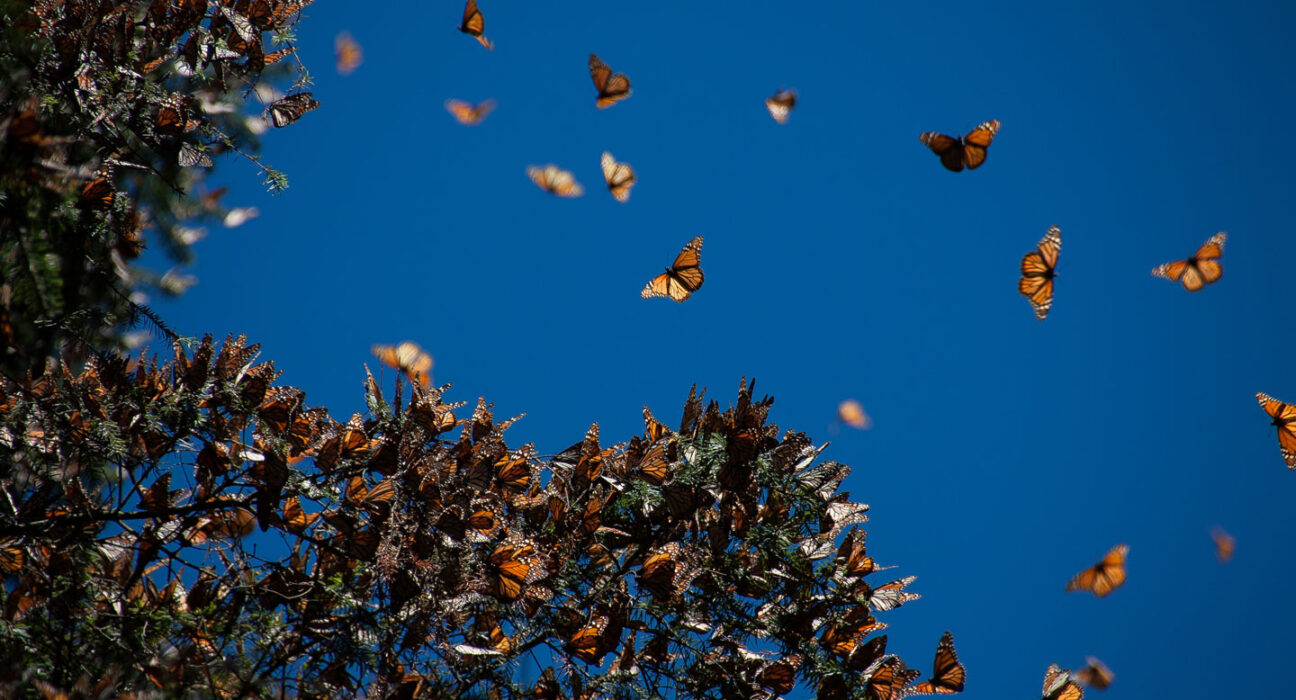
point(110, 113)
point(185, 527)
point(412, 552)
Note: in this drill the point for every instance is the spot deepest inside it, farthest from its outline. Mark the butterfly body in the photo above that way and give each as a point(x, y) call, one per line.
point(682, 278)
point(959, 152)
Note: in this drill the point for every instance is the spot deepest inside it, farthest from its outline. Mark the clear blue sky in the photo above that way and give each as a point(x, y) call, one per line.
point(843, 261)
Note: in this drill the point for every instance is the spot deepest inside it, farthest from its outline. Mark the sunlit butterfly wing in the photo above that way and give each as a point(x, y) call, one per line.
point(949, 148)
point(682, 278)
point(977, 141)
point(1059, 686)
point(555, 180)
point(1037, 269)
point(99, 194)
point(852, 413)
point(781, 104)
point(1284, 418)
point(1225, 544)
point(612, 87)
point(468, 114)
point(948, 675)
point(1095, 674)
point(1105, 576)
point(1198, 271)
point(291, 108)
point(474, 24)
point(620, 177)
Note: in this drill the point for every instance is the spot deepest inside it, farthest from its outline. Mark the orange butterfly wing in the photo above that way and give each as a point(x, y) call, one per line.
point(1105, 576)
point(1095, 674)
point(1037, 269)
point(1284, 417)
point(555, 180)
point(948, 675)
point(1059, 686)
point(890, 680)
point(469, 114)
point(1225, 544)
point(977, 141)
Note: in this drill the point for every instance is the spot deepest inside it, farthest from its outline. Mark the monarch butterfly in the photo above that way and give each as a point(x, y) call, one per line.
point(969, 151)
point(98, 195)
point(1059, 686)
point(258, 12)
point(1036, 283)
point(348, 53)
point(654, 429)
point(555, 180)
point(1095, 674)
point(780, 104)
point(654, 467)
point(587, 644)
point(682, 278)
point(612, 87)
point(296, 519)
point(842, 637)
point(474, 24)
point(291, 108)
point(892, 595)
point(948, 674)
point(407, 357)
point(780, 676)
point(853, 554)
point(889, 681)
point(852, 413)
point(1198, 271)
point(170, 119)
point(1225, 544)
point(1284, 416)
point(620, 177)
point(513, 570)
point(667, 572)
point(190, 155)
point(1105, 576)
point(469, 114)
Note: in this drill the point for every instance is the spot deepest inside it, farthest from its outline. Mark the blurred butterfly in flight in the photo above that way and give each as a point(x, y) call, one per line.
point(1201, 269)
point(780, 105)
point(612, 87)
point(555, 180)
point(469, 114)
point(620, 177)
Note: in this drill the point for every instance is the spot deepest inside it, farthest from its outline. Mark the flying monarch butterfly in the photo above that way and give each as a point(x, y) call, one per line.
point(1284, 417)
point(780, 104)
point(852, 413)
point(348, 53)
point(889, 681)
point(1037, 269)
point(1059, 686)
point(474, 24)
point(682, 278)
point(407, 357)
point(969, 151)
point(1225, 544)
point(1105, 576)
point(98, 195)
point(555, 180)
point(612, 87)
point(620, 177)
point(1198, 271)
point(948, 675)
point(469, 114)
point(291, 108)
point(1095, 674)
